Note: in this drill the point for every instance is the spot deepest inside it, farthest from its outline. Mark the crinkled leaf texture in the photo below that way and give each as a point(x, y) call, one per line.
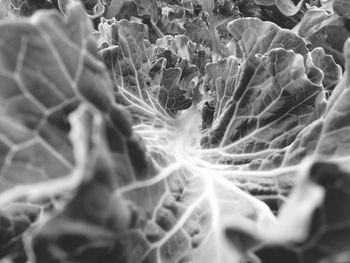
point(159, 188)
point(155, 78)
point(325, 27)
point(265, 104)
point(319, 198)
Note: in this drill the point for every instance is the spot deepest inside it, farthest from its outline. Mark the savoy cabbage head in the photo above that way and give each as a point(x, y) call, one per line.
point(174, 131)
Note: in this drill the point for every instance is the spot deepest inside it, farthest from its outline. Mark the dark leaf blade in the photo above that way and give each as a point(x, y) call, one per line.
point(287, 7)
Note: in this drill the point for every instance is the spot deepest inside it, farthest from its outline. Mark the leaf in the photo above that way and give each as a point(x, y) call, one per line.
point(326, 136)
point(257, 97)
point(15, 219)
point(272, 107)
point(342, 8)
point(324, 28)
point(136, 8)
point(91, 221)
point(331, 39)
point(303, 200)
point(328, 230)
point(94, 8)
point(287, 7)
point(5, 10)
point(323, 228)
point(98, 10)
point(115, 7)
point(197, 165)
point(314, 20)
point(335, 122)
point(71, 75)
point(155, 77)
point(48, 67)
point(171, 97)
point(338, 258)
point(332, 72)
point(161, 218)
point(248, 31)
point(126, 52)
point(268, 108)
point(272, 92)
point(174, 56)
point(34, 130)
point(29, 7)
point(224, 73)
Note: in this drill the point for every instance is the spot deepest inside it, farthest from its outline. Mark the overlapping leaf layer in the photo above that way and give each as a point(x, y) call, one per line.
point(127, 145)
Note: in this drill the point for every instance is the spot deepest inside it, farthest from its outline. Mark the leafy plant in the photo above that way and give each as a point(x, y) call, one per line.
point(134, 137)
